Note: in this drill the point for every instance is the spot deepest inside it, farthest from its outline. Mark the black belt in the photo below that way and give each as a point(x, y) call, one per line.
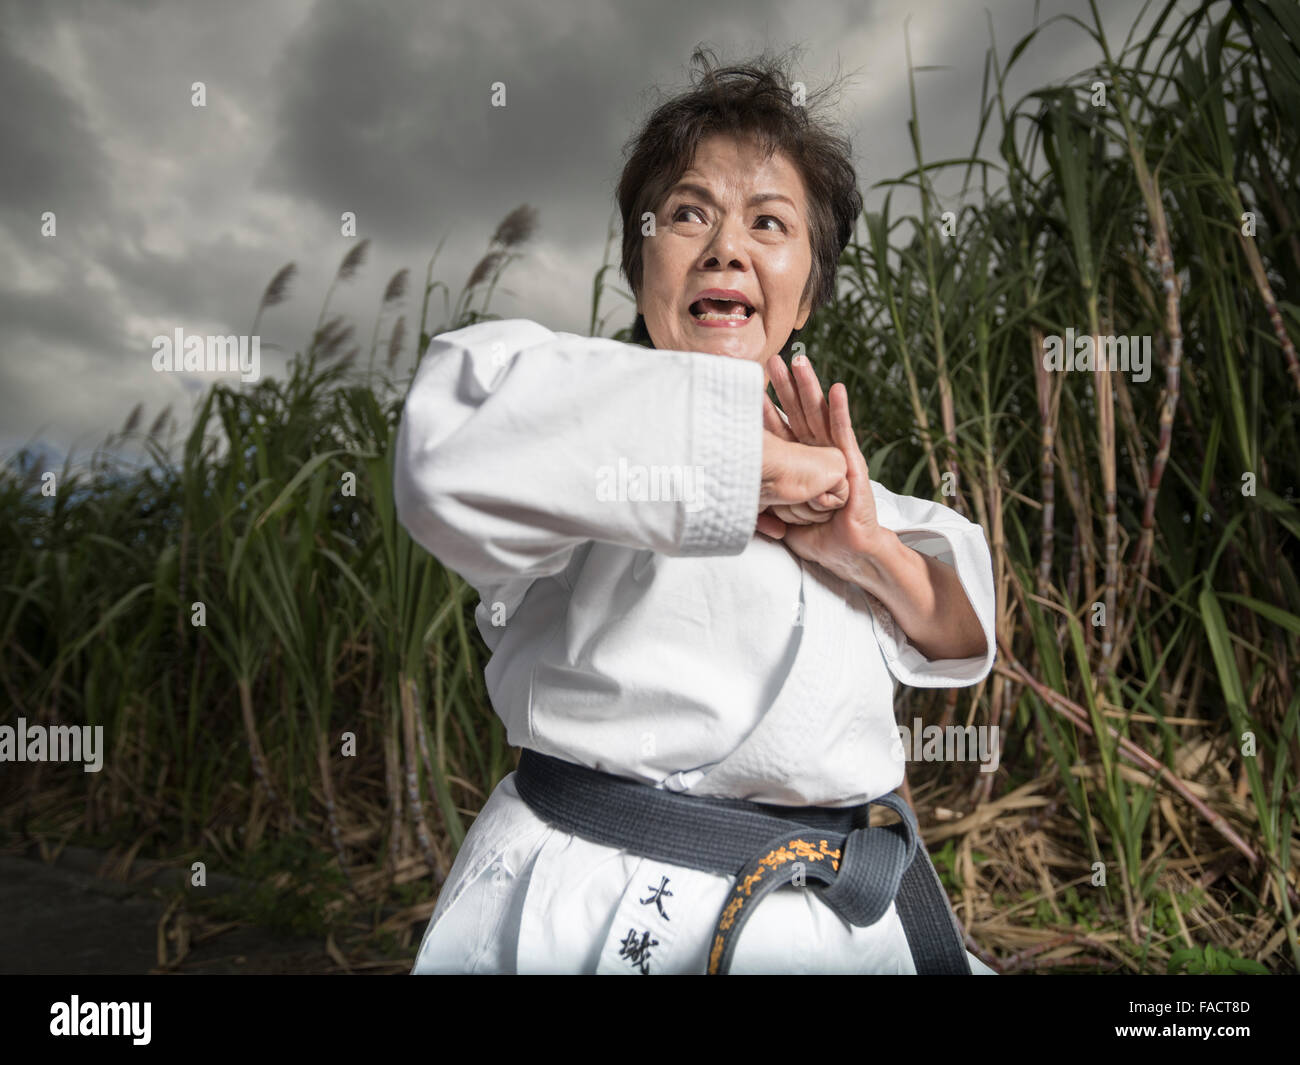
point(860, 870)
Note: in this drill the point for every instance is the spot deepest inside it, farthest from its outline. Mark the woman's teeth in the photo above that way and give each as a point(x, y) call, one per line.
point(709, 316)
point(714, 310)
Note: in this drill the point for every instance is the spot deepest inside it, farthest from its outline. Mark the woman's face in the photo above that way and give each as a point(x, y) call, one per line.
point(734, 221)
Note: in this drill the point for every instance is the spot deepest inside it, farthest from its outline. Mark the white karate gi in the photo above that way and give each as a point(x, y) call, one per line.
point(656, 639)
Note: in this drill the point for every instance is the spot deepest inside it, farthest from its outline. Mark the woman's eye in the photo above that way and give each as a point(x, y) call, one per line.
point(677, 217)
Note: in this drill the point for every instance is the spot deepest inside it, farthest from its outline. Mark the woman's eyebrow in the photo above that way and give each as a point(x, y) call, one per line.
point(704, 193)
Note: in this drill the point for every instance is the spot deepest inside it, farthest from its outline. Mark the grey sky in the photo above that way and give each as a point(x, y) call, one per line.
point(174, 216)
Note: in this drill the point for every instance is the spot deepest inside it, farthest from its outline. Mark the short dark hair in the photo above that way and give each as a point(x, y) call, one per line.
point(756, 99)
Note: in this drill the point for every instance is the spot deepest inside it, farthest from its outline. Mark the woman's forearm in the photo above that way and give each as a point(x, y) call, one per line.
point(924, 596)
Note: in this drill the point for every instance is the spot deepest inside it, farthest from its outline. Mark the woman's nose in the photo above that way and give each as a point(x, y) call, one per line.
point(726, 245)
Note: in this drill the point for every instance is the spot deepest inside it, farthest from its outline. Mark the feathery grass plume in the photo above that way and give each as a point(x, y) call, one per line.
point(395, 340)
point(396, 286)
point(484, 269)
point(278, 290)
point(513, 231)
point(336, 341)
point(517, 227)
point(330, 328)
point(160, 422)
point(395, 290)
point(326, 332)
point(133, 420)
point(348, 268)
point(353, 261)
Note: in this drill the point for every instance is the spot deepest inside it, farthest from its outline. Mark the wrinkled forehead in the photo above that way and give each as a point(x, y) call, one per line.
point(740, 167)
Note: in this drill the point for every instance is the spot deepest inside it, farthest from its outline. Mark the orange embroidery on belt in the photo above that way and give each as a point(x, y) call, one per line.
point(806, 850)
point(715, 954)
point(729, 913)
point(795, 848)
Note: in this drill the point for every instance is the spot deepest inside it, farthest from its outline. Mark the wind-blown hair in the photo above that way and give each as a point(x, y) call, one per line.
point(756, 99)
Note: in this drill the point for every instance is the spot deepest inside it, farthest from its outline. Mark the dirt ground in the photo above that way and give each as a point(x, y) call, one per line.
point(64, 919)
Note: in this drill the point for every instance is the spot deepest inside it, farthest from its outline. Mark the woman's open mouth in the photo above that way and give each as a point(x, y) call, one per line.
point(721, 312)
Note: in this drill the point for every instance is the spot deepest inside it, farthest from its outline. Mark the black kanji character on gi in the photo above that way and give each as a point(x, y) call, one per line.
point(656, 896)
point(638, 952)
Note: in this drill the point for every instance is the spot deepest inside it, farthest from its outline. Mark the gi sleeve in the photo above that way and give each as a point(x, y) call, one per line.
point(518, 444)
point(938, 531)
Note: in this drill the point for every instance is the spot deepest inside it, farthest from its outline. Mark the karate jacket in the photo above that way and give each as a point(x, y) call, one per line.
point(601, 498)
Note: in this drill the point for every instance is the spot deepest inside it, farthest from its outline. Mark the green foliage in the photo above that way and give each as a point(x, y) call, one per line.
point(292, 883)
point(1169, 212)
point(1213, 960)
point(1080, 911)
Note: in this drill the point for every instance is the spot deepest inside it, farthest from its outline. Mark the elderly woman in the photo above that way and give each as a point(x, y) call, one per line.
point(698, 606)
